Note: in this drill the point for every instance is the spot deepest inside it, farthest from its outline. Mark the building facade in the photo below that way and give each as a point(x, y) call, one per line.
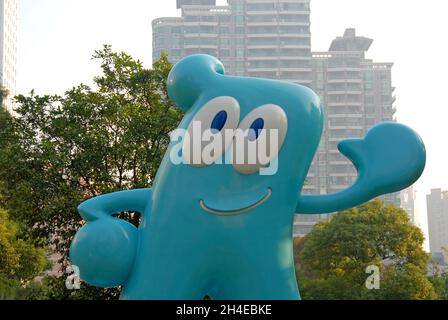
point(357, 94)
point(409, 204)
point(437, 205)
point(272, 39)
point(8, 48)
point(257, 38)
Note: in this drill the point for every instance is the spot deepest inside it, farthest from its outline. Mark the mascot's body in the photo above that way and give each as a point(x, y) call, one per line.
point(225, 230)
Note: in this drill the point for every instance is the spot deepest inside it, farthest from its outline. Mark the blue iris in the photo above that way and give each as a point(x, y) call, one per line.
point(255, 129)
point(219, 122)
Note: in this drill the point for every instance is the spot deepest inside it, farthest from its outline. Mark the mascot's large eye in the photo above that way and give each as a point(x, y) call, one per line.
point(207, 139)
point(259, 138)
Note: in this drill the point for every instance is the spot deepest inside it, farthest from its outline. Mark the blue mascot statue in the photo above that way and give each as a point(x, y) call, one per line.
point(224, 228)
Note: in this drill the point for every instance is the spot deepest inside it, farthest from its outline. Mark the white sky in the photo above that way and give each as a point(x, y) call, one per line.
point(58, 37)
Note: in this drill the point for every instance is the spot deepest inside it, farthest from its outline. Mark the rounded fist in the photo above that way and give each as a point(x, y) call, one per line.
point(104, 251)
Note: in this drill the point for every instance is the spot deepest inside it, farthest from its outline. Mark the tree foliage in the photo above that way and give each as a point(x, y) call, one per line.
point(439, 276)
point(333, 258)
point(20, 260)
point(89, 141)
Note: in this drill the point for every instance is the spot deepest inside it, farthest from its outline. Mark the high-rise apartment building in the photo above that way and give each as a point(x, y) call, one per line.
point(357, 94)
point(257, 38)
point(437, 205)
point(272, 39)
point(8, 48)
point(409, 204)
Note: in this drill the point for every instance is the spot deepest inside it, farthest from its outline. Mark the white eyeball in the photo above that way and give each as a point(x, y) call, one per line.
point(211, 131)
point(259, 139)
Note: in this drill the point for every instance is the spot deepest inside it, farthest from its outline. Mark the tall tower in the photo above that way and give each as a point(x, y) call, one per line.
point(409, 204)
point(437, 203)
point(8, 49)
point(357, 94)
point(257, 38)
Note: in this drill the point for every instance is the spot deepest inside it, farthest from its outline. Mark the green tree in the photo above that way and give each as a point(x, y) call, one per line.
point(20, 260)
point(333, 258)
point(66, 149)
point(439, 277)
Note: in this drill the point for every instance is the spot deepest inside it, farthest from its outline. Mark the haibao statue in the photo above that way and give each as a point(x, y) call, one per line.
point(225, 230)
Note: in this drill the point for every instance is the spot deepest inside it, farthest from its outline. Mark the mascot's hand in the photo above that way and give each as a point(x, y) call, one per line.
point(104, 251)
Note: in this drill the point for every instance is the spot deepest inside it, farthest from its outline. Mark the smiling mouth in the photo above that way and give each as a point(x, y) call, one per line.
point(239, 211)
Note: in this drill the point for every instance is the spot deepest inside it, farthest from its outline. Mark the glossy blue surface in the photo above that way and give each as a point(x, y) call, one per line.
point(211, 230)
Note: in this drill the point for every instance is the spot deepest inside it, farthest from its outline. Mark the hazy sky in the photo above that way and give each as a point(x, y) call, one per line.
point(58, 37)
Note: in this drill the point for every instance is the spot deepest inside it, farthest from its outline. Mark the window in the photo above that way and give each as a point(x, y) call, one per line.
point(192, 29)
point(262, 52)
point(225, 53)
point(191, 41)
point(354, 75)
point(386, 99)
point(294, 18)
point(295, 75)
point(261, 18)
point(239, 41)
point(239, 20)
point(320, 76)
point(239, 7)
point(192, 19)
point(295, 6)
point(370, 110)
point(263, 64)
point(225, 19)
point(240, 53)
point(369, 100)
point(225, 42)
point(260, 6)
point(294, 29)
point(239, 30)
point(210, 52)
point(294, 64)
point(296, 52)
point(385, 76)
point(240, 66)
point(207, 29)
point(176, 30)
point(208, 18)
point(261, 30)
point(224, 30)
point(176, 41)
point(262, 41)
point(208, 41)
point(189, 52)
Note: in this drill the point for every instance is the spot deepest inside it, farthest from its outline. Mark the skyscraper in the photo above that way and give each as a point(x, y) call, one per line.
point(8, 48)
point(408, 199)
point(437, 205)
point(272, 39)
point(357, 94)
point(269, 39)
